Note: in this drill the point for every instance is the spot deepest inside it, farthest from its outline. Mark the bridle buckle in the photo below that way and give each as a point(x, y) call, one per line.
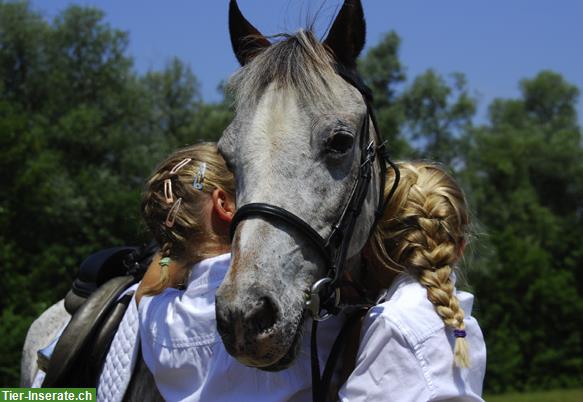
point(371, 149)
point(370, 152)
point(313, 304)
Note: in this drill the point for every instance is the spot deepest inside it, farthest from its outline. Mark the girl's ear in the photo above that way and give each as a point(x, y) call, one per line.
point(223, 205)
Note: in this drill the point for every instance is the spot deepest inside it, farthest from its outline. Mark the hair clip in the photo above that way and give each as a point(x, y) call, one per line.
point(180, 165)
point(459, 333)
point(168, 191)
point(199, 177)
point(171, 217)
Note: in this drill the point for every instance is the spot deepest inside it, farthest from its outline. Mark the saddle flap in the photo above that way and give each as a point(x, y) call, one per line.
point(80, 330)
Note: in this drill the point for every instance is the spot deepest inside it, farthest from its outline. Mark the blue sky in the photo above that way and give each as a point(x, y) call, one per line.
point(494, 42)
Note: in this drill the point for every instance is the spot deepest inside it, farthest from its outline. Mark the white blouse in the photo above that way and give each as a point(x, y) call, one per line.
point(406, 352)
point(182, 348)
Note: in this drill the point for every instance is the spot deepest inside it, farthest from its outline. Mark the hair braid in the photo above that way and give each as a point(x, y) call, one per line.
point(423, 233)
point(440, 291)
point(173, 208)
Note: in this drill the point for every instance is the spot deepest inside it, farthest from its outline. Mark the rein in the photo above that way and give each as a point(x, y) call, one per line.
point(324, 298)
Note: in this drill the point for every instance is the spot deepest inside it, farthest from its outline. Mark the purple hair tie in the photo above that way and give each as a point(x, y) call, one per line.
point(459, 333)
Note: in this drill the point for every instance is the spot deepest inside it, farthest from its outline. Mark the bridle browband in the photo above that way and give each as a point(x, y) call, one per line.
point(324, 294)
point(324, 297)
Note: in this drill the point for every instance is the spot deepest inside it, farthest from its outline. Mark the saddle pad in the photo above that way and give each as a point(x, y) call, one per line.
point(121, 358)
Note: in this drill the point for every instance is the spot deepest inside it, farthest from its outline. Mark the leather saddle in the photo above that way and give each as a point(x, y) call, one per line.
point(97, 309)
point(95, 271)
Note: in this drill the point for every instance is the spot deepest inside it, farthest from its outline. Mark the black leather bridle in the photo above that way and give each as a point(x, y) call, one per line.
point(324, 297)
point(325, 293)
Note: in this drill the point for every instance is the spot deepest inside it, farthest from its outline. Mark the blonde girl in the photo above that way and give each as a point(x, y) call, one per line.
point(188, 205)
point(420, 342)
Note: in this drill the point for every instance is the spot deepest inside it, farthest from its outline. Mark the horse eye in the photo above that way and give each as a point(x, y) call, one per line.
point(340, 142)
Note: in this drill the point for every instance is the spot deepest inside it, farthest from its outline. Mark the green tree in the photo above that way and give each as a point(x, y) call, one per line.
point(437, 114)
point(175, 100)
point(382, 70)
point(426, 119)
point(522, 171)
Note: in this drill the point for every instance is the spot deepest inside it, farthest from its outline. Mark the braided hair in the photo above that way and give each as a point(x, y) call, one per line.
point(423, 232)
point(173, 205)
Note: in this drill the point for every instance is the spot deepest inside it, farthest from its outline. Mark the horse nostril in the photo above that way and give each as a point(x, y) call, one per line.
point(224, 324)
point(263, 315)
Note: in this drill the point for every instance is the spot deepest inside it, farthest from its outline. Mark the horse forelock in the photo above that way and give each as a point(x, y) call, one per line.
point(298, 62)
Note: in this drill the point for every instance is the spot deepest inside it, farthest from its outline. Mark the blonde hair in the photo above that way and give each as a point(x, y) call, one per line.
point(423, 232)
point(173, 208)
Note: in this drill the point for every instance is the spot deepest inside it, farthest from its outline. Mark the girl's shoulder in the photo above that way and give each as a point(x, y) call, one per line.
point(406, 353)
point(173, 320)
point(406, 308)
point(185, 318)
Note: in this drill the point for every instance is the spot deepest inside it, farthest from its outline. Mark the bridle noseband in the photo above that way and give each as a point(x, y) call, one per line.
point(324, 295)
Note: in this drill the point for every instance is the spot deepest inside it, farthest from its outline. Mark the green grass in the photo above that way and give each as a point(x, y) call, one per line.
point(570, 395)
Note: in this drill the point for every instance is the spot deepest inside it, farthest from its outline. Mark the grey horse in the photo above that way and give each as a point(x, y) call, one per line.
point(42, 331)
point(293, 143)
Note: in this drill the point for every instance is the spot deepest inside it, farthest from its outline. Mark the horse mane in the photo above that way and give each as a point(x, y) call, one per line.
point(297, 62)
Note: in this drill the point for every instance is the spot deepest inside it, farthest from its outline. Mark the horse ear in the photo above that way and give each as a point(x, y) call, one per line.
point(246, 40)
point(347, 35)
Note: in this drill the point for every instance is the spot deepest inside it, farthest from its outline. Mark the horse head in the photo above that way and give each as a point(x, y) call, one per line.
point(296, 146)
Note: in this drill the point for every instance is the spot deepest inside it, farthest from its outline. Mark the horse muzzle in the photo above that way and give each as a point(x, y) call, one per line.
point(252, 331)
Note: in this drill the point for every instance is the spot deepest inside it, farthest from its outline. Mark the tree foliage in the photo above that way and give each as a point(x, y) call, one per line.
point(436, 115)
point(80, 130)
point(383, 72)
point(523, 171)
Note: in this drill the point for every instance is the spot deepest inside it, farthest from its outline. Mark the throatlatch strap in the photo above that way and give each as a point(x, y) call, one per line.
point(316, 388)
point(321, 384)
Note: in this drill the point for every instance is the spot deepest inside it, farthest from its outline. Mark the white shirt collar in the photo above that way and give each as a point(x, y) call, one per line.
point(401, 280)
point(209, 273)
